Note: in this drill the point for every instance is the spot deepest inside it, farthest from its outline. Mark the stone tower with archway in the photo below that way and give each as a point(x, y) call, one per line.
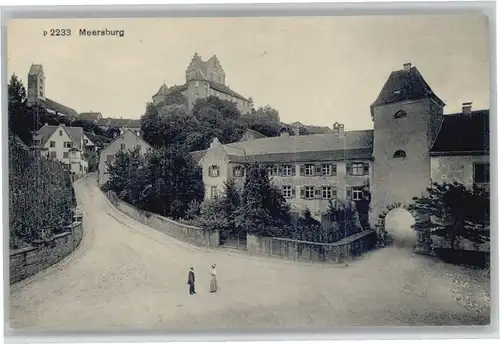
point(407, 116)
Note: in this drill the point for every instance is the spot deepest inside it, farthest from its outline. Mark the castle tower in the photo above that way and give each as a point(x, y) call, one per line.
point(36, 84)
point(162, 92)
point(407, 116)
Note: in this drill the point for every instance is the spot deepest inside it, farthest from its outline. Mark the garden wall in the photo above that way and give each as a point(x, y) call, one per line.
point(28, 261)
point(337, 252)
point(190, 234)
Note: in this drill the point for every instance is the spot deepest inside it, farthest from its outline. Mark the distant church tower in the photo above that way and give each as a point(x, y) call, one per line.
point(407, 116)
point(36, 84)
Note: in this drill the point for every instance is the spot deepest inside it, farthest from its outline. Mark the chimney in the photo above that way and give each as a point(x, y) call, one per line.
point(467, 108)
point(407, 66)
point(338, 128)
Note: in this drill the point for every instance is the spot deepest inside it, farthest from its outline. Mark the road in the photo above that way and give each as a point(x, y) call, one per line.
point(127, 275)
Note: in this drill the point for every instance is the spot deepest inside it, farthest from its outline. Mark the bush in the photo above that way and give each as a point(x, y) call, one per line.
point(41, 196)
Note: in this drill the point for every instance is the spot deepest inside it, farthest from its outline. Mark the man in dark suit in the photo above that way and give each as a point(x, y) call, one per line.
point(191, 281)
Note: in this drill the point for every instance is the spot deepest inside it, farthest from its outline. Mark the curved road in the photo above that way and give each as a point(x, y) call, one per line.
point(127, 275)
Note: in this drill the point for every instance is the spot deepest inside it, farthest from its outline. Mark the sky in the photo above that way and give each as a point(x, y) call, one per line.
point(316, 70)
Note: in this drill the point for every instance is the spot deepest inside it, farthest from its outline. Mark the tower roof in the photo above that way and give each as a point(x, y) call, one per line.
point(403, 85)
point(35, 69)
point(163, 90)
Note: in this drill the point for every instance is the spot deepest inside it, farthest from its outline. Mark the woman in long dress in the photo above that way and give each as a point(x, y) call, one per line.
point(213, 280)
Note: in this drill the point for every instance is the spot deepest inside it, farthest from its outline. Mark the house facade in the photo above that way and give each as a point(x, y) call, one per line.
point(412, 144)
point(128, 140)
point(205, 79)
point(66, 144)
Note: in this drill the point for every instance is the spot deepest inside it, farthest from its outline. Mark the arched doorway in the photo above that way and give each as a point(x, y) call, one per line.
point(396, 223)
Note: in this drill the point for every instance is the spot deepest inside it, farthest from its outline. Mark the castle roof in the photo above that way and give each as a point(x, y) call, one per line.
point(163, 90)
point(403, 85)
point(463, 133)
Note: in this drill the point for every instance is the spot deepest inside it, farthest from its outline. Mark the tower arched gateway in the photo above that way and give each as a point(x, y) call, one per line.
point(407, 116)
point(400, 232)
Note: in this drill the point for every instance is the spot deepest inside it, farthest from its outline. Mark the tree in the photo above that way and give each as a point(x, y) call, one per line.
point(20, 122)
point(263, 209)
point(453, 211)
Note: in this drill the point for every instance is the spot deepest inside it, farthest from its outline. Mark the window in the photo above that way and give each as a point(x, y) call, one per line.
point(288, 170)
point(309, 192)
point(52, 144)
point(53, 154)
point(399, 154)
point(309, 170)
point(272, 170)
point(68, 144)
point(65, 155)
point(288, 191)
point(85, 141)
point(238, 171)
point(357, 169)
point(122, 146)
point(73, 153)
point(481, 173)
point(109, 158)
point(326, 170)
point(213, 192)
point(196, 84)
point(400, 114)
point(213, 171)
point(355, 193)
point(60, 132)
point(328, 192)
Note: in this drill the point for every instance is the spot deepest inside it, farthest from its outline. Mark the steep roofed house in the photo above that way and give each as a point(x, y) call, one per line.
point(412, 144)
point(37, 94)
point(204, 79)
point(128, 140)
point(63, 143)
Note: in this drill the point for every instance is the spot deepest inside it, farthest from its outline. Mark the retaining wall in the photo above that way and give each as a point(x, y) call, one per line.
point(28, 261)
point(343, 250)
point(190, 234)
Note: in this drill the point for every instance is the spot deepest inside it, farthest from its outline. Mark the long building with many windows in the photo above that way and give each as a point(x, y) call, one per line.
point(412, 144)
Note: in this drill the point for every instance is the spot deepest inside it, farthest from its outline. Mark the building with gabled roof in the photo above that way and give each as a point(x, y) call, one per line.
point(37, 94)
point(412, 144)
point(127, 140)
point(66, 144)
point(204, 79)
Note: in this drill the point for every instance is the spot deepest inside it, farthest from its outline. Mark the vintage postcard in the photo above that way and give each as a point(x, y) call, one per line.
point(248, 173)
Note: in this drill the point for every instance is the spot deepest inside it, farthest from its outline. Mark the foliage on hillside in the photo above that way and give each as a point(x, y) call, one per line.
point(41, 196)
point(171, 122)
point(165, 181)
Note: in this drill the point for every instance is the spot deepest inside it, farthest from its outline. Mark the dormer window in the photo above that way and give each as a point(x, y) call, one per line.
point(399, 154)
point(400, 114)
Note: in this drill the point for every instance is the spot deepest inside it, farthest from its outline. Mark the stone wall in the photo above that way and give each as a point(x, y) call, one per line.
point(28, 261)
point(343, 250)
point(190, 234)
